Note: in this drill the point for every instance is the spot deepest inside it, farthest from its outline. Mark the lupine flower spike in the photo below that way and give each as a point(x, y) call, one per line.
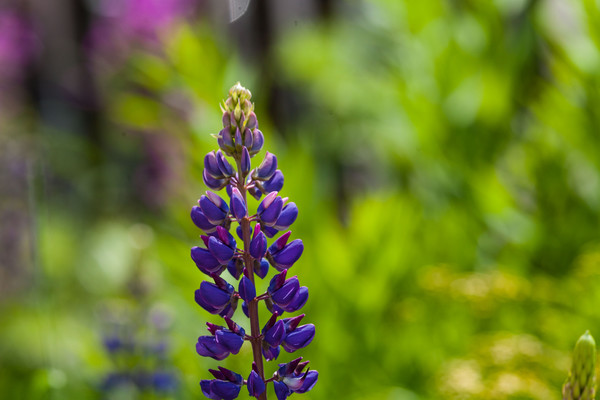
point(241, 140)
point(581, 383)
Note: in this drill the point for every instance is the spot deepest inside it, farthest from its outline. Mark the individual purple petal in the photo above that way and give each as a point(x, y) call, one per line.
point(220, 250)
point(248, 140)
point(246, 289)
point(238, 139)
point(281, 390)
point(224, 166)
point(205, 304)
point(277, 281)
point(217, 201)
point(211, 166)
point(214, 184)
point(254, 192)
point(225, 390)
point(275, 184)
point(224, 236)
point(299, 338)
point(201, 221)
point(227, 140)
point(215, 209)
point(287, 217)
point(245, 162)
point(258, 245)
point(213, 294)
point(275, 334)
point(266, 202)
point(280, 242)
point(256, 386)
point(238, 205)
point(298, 301)
point(235, 267)
point(310, 380)
point(287, 256)
point(226, 119)
point(251, 121)
point(292, 323)
point(270, 353)
point(266, 169)
point(204, 260)
point(229, 340)
point(245, 309)
point(205, 386)
point(261, 269)
point(268, 215)
point(258, 140)
point(286, 293)
point(269, 231)
point(230, 376)
point(208, 347)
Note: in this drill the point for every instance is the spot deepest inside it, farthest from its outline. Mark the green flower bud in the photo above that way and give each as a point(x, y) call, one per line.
point(581, 383)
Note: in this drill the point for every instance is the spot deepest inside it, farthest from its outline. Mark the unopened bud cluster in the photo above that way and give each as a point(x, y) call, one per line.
point(581, 383)
point(241, 140)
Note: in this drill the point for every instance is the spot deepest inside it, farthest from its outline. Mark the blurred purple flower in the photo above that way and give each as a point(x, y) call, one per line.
point(17, 45)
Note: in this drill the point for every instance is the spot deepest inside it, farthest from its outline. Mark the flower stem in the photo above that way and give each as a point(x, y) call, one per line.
point(253, 304)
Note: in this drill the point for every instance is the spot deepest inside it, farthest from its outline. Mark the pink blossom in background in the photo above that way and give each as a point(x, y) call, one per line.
point(17, 46)
point(120, 23)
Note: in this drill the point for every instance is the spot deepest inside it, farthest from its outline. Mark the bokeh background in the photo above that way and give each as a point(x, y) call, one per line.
point(444, 155)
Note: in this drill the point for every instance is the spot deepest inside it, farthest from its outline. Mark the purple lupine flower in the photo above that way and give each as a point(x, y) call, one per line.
point(211, 166)
point(238, 205)
point(217, 298)
point(261, 269)
point(266, 169)
point(275, 184)
point(289, 379)
point(245, 161)
point(297, 337)
point(269, 209)
point(258, 245)
point(246, 290)
point(273, 334)
point(214, 184)
point(222, 245)
point(241, 140)
point(217, 166)
point(235, 267)
point(256, 386)
point(226, 386)
point(282, 255)
point(201, 221)
point(287, 295)
point(222, 342)
point(219, 252)
point(287, 217)
point(205, 261)
point(214, 208)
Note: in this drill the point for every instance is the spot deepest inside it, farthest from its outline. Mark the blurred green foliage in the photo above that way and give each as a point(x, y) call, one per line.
point(445, 159)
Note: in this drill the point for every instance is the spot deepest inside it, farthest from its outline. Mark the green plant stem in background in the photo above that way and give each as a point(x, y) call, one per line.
point(581, 383)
